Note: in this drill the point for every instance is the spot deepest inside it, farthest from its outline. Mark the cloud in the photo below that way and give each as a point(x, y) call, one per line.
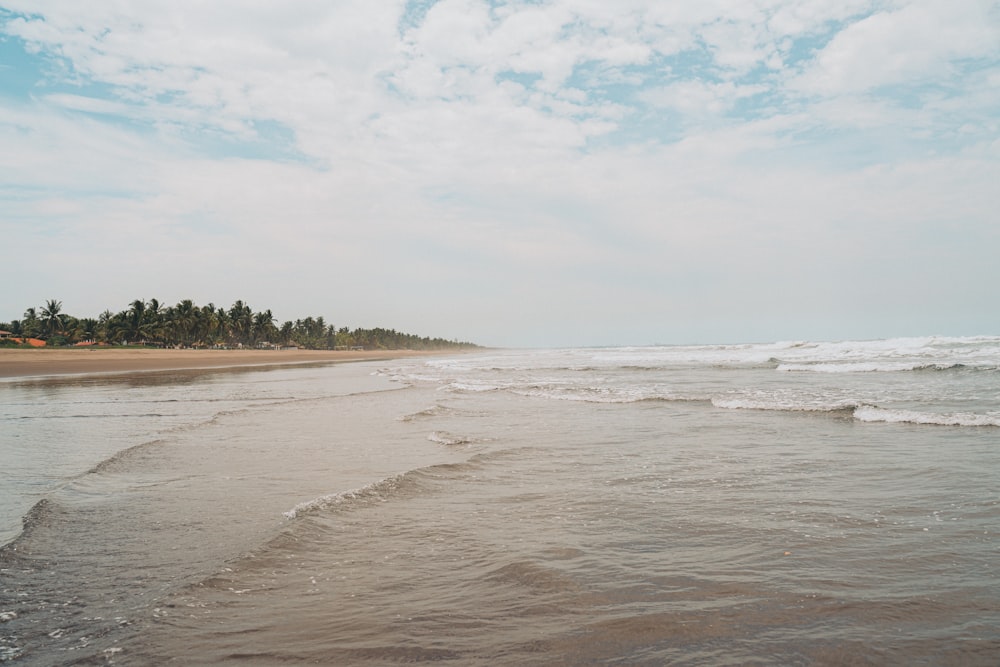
point(555, 163)
point(700, 98)
point(919, 42)
point(87, 104)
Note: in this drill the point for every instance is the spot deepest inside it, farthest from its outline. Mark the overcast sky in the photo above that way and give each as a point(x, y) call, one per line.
point(535, 172)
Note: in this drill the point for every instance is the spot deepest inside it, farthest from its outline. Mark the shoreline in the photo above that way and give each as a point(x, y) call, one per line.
point(42, 363)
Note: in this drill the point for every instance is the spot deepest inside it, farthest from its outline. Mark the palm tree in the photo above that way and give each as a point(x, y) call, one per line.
point(118, 327)
point(103, 326)
point(263, 328)
point(223, 326)
point(152, 318)
point(88, 328)
point(52, 321)
point(241, 322)
point(285, 334)
point(30, 324)
point(183, 321)
point(136, 326)
point(207, 327)
point(344, 337)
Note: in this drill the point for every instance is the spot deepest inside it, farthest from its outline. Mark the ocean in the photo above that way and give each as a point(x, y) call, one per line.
point(794, 503)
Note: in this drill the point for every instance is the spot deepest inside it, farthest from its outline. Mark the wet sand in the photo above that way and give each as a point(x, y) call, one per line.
point(42, 362)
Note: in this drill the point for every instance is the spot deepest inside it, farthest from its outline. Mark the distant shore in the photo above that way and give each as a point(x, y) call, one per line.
point(41, 362)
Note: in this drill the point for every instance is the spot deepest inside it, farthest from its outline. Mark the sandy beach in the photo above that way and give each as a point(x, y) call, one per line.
point(43, 362)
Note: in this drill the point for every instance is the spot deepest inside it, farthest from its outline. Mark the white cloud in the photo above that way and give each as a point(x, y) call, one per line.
point(87, 104)
point(699, 98)
point(918, 42)
point(499, 157)
point(812, 17)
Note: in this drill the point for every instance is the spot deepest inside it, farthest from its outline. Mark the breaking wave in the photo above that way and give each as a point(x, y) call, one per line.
point(865, 413)
point(418, 480)
point(383, 490)
point(435, 411)
point(750, 403)
point(450, 439)
point(870, 413)
point(379, 491)
point(877, 367)
point(41, 512)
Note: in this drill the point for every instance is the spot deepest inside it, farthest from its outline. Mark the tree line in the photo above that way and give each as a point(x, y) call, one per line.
point(186, 324)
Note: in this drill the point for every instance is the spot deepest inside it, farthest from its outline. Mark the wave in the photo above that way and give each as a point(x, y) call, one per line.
point(411, 481)
point(870, 413)
point(777, 405)
point(50, 418)
point(41, 512)
point(38, 514)
point(928, 350)
point(435, 411)
point(532, 575)
point(379, 491)
point(878, 367)
point(475, 387)
point(606, 394)
point(119, 456)
point(863, 412)
point(450, 439)
point(565, 391)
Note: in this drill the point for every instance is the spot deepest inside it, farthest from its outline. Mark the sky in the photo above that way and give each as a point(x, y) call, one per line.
point(522, 173)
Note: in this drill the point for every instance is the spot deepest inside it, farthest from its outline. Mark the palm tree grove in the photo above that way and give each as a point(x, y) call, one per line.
point(187, 325)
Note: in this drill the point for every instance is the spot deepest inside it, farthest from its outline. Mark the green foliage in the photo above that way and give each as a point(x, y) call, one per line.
point(151, 324)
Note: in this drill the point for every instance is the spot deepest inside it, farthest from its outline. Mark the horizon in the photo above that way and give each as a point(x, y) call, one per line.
point(513, 174)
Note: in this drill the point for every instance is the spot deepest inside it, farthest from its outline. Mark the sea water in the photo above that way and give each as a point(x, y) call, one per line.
point(787, 503)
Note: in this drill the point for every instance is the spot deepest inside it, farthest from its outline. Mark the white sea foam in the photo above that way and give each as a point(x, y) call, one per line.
point(8, 652)
point(864, 413)
point(889, 355)
point(786, 404)
point(870, 413)
point(475, 387)
point(373, 490)
point(428, 413)
point(799, 376)
point(449, 439)
point(603, 394)
point(863, 367)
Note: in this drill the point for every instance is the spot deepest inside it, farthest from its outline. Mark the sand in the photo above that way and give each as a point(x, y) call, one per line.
point(49, 362)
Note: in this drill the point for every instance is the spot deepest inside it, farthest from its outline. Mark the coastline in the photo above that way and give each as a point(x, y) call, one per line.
point(20, 363)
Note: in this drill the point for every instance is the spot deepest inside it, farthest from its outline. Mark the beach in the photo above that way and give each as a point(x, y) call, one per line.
point(46, 362)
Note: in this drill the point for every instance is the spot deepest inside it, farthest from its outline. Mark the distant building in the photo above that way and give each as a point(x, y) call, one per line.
point(5, 334)
point(33, 342)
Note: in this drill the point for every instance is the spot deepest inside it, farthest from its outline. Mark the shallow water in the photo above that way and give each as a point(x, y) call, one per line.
point(435, 516)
